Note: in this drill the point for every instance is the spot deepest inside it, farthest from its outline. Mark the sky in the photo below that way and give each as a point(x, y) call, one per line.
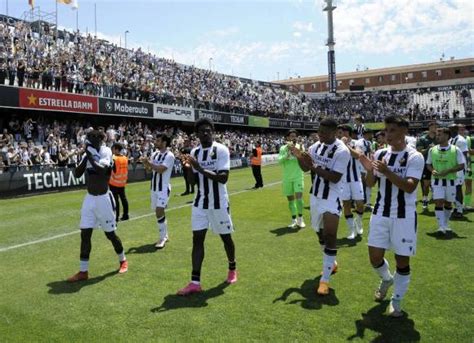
point(277, 39)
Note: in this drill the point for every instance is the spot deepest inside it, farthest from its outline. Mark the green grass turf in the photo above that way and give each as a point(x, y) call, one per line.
point(274, 299)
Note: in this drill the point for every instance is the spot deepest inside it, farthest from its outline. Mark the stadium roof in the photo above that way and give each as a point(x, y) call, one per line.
point(381, 71)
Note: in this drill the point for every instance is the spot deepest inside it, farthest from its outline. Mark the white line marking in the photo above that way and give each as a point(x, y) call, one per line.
point(123, 223)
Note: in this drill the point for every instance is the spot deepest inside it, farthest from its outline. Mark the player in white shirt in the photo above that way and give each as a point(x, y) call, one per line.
point(352, 187)
point(328, 158)
point(98, 208)
point(161, 163)
point(211, 164)
point(410, 141)
point(393, 224)
point(461, 142)
point(443, 161)
point(365, 145)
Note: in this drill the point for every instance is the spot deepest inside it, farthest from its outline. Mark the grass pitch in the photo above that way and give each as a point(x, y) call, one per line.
point(274, 299)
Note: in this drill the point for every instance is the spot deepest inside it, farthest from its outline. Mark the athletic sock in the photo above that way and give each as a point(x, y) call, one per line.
point(162, 227)
point(383, 270)
point(401, 280)
point(299, 206)
point(447, 215)
point(459, 207)
point(84, 266)
point(232, 265)
point(329, 257)
point(467, 199)
point(350, 223)
point(359, 218)
point(292, 207)
point(440, 217)
point(121, 256)
point(196, 277)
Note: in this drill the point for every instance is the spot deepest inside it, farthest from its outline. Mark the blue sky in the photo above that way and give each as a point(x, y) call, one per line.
point(269, 39)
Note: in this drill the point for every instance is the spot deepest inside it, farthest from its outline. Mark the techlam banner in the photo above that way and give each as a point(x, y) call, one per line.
point(13, 183)
point(269, 159)
point(223, 117)
point(31, 182)
point(49, 180)
point(57, 101)
point(282, 123)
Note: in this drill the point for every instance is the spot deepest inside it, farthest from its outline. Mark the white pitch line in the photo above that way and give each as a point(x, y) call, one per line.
point(131, 219)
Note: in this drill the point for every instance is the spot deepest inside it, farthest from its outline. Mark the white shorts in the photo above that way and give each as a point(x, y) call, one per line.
point(352, 191)
point(219, 220)
point(98, 210)
point(160, 199)
point(444, 189)
point(320, 206)
point(393, 233)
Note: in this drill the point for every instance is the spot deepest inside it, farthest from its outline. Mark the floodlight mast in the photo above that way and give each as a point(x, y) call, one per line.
point(329, 7)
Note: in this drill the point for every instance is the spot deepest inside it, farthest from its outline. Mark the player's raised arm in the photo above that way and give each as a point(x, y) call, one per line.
point(283, 154)
point(100, 167)
point(81, 168)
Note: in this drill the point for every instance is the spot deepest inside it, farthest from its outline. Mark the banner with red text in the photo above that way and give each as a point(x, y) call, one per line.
point(56, 101)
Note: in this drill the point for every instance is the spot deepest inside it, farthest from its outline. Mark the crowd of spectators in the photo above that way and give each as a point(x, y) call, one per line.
point(31, 144)
point(83, 64)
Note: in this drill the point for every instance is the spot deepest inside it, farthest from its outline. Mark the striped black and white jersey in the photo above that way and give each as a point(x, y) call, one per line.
point(103, 157)
point(360, 130)
point(161, 181)
point(460, 142)
point(391, 201)
point(354, 168)
point(365, 146)
point(411, 141)
point(211, 194)
point(334, 157)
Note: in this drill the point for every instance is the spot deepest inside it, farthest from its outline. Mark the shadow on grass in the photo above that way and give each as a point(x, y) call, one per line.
point(65, 287)
point(311, 300)
point(144, 249)
point(347, 243)
point(174, 302)
point(284, 231)
point(390, 329)
point(461, 219)
point(427, 213)
point(445, 236)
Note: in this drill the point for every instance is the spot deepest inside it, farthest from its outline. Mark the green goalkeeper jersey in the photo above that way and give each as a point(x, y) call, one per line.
point(291, 168)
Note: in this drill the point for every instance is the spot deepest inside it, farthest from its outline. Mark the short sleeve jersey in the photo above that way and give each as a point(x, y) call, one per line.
point(211, 194)
point(161, 181)
point(334, 157)
point(391, 201)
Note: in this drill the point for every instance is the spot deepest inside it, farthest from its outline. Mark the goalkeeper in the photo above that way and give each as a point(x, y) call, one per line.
point(293, 179)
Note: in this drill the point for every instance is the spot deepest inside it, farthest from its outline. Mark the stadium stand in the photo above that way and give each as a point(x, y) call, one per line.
point(30, 145)
point(85, 65)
